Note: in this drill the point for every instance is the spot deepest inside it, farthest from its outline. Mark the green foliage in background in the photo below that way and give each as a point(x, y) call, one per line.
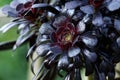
point(13, 64)
point(3, 2)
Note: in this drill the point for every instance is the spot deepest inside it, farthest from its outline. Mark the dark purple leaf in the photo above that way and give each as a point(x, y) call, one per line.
point(78, 15)
point(71, 12)
point(6, 45)
point(33, 64)
point(89, 67)
point(115, 47)
point(108, 66)
point(73, 51)
point(22, 39)
point(88, 9)
point(46, 28)
point(51, 74)
point(53, 60)
point(25, 31)
point(38, 72)
point(63, 62)
point(6, 27)
point(22, 26)
point(77, 62)
point(73, 4)
point(46, 7)
point(68, 77)
point(23, 1)
point(59, 20)
point(114, 5)
point(99, 75)
point(6, 9)
point(98, 20)
point(20, 7)
point(86, 18)
point(31, 50)
point(56, 50)
point(41, 39)
point(42, 49)
point(92, 56)
point(41, 5)
point(90, 41)
point(117, 25)
point(111, 75)
point(77, 74)
point(70, 67)
point(107, 20)
point(9, 11)
point(116, 59)
point(14, 3)
point(12, 14)
point(118, 41)
point(43, 75)
point(81, 27)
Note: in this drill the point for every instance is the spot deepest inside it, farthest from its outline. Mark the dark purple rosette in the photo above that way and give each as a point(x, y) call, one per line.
point(28, 16)
point(69, 35)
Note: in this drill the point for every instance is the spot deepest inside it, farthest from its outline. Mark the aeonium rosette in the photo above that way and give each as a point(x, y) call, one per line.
point(59, 43)
point(23, 9)
point(28, 16)
point(65, 33)
point(80, 33)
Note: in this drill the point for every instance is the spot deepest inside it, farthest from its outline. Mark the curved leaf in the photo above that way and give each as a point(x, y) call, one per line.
point(6, 45)
point(47, 7)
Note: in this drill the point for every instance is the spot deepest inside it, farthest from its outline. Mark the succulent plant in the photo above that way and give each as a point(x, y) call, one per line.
point(69, 35)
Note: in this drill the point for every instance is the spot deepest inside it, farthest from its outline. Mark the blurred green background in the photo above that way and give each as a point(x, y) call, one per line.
point(3, 2)
point(13, 64)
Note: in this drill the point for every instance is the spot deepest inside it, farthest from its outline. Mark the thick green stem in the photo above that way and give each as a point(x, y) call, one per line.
point(90, 77)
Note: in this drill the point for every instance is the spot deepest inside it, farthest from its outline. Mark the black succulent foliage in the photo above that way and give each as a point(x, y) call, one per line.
point(69, 35)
